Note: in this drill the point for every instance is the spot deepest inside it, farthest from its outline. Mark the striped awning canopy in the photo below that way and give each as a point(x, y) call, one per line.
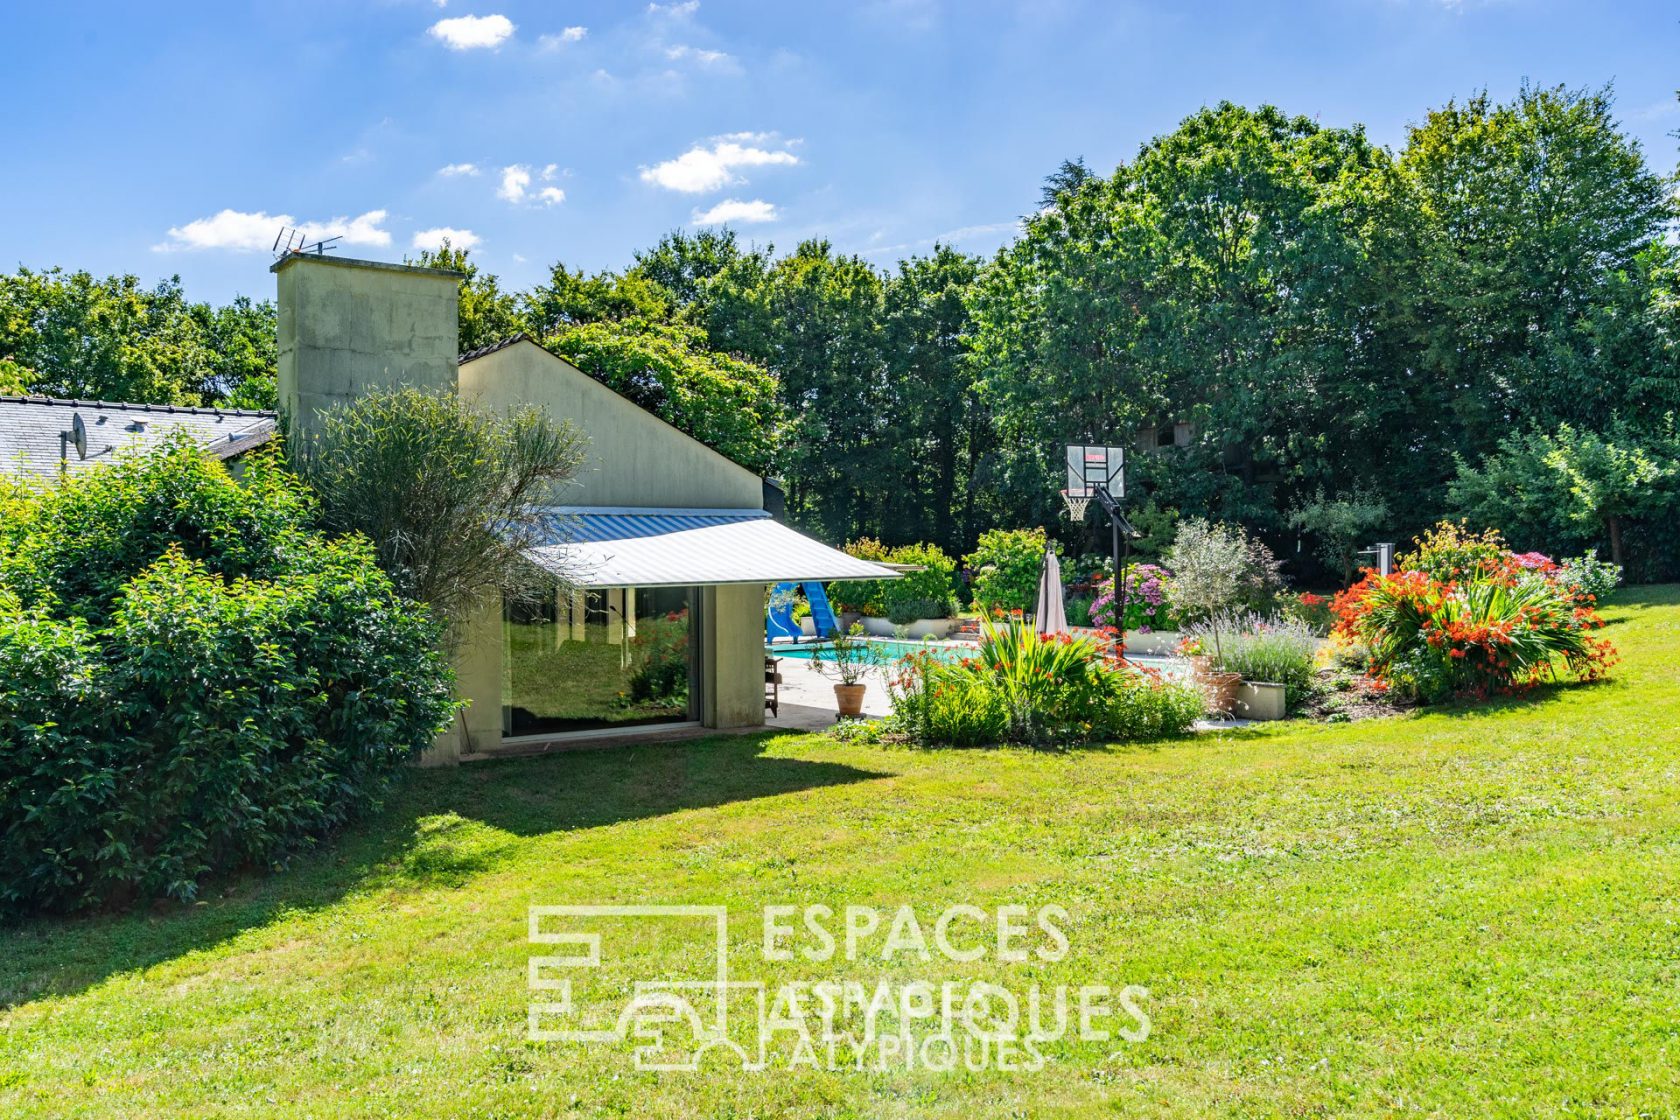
point(594, 546)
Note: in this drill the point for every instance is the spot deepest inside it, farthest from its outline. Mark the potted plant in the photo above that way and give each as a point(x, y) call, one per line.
point(1219, 686)
point(847, 657)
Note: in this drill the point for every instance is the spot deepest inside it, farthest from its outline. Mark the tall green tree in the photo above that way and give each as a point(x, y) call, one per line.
point(684, 264)
point(1058, 322)
point(110, 338)
point(940, 429)
point(725, 402)
point(570, 298)
point(822, 313)
point(242, 337)
point(1217, 281)
point(1533, 218)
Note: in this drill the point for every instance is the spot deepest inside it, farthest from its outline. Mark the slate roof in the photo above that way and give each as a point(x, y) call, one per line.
point(495, 346)
point(30, 427)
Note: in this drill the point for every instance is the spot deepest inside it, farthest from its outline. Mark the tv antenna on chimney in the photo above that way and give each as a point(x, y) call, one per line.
point(291, 240)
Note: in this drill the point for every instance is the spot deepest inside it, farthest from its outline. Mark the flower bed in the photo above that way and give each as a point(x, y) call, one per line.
point(1023, 688)
point(1464, 616)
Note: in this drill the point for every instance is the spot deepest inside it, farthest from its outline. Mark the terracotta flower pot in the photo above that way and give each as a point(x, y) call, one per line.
point(849, 699)
point(1222, 692)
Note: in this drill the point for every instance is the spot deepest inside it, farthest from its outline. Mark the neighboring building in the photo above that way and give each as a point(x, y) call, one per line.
point(664, 546)
point(44, 437)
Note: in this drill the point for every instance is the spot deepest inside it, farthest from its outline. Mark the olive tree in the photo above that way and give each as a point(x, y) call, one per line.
point(449, 492)
point(1340, 522)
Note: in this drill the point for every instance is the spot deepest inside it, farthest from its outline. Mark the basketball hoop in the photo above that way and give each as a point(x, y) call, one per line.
point(1077, 501)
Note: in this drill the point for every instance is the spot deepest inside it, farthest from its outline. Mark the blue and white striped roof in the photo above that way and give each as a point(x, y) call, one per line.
point(594, 546)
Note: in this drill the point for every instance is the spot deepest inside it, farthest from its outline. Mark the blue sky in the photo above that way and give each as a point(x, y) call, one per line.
point(177, 137)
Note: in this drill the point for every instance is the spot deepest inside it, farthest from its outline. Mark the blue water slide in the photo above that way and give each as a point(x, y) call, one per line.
point(822, 615)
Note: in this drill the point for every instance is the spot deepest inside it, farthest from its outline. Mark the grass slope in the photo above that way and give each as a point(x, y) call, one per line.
point(1471, 912)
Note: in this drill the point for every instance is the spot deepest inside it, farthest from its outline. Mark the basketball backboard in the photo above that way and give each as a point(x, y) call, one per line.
point(1090, 466)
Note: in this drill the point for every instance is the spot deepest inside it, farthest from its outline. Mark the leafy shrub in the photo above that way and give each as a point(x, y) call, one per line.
point(936, 704)
point(1024, 688)
point(73, 549)
point(1450, 551)
point(1079, 610)
point(1272, 650)
point(864, 596)
point(1460, 618)
point(216, 705)
point(1148, 602)
point(1590, 578)
point(449, 492)
point(931, 588)
point(905, 611)
point(1006, 565)
point(1146, 705)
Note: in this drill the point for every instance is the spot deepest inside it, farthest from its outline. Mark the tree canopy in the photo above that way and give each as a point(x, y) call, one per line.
point(1289, 326)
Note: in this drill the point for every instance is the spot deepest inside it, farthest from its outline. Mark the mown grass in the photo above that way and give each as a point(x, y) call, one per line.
point(1469, 912)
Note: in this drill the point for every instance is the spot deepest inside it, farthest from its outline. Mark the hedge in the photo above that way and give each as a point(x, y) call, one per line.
point(192, 681)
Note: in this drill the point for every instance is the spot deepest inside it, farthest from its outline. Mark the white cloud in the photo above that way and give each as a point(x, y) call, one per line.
point(254, 232)
point(516, 185)
point(734, 210)
point(515, 179)
point(451, 170)
point(949, 237)
point(676, 11)
point(433, 239)
point(704, 58)
point(465, 33)
point(555, 40)
point(704, 168)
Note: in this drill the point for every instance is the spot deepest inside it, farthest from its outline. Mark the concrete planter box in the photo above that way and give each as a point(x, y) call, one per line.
point(1156, 643)
point(920, 630)
point(1259, 700)
point(807, 627)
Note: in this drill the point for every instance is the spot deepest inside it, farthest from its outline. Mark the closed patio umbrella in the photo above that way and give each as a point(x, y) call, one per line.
point(1052, 611)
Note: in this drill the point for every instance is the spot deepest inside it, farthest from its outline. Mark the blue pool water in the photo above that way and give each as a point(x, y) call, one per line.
point(891, 649)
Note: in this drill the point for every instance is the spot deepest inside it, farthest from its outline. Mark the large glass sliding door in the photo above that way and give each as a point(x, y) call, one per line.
point(599, 658)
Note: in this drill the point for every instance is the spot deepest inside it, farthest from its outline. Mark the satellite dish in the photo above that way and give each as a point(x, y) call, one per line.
point(75, 437)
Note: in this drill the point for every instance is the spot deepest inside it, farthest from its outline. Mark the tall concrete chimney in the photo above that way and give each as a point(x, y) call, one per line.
point(347, 326)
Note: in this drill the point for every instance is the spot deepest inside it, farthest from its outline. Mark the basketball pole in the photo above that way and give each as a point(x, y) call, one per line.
point(1122, 534)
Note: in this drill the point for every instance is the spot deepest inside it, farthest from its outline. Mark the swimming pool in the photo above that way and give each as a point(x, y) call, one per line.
point(891, 649)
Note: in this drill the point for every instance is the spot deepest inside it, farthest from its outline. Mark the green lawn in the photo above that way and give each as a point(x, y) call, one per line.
point(1463, 913)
